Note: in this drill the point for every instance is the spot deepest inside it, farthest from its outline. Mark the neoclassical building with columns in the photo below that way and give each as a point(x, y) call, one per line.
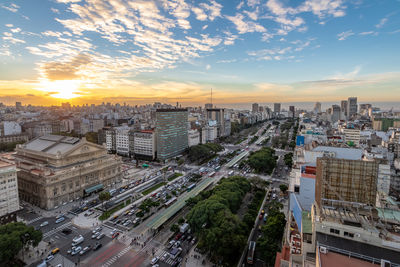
point(54, 169)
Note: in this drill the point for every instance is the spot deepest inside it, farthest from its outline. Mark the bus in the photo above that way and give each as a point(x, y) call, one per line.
point(250, 252)
point(170, 202)
point(211, 174)
point(190, 187)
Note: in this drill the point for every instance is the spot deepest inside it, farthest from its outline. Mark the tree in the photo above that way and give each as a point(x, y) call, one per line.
point(181, 220)
point(92, 137)
point(283, 188)
point(174, 228)
point(104, 196)
point(15, 236)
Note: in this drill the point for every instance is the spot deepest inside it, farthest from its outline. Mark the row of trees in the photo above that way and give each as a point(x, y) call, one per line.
point(263, 160)
point(272, 233)
point(8, 147)
point(288, 159)
point(203, 152)
point(213, 219)
point(13, 238)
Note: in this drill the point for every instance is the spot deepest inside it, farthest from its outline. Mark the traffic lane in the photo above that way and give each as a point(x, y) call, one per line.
point(88, 241)
point(51, 226)
point(107, 251)
point(133, 260)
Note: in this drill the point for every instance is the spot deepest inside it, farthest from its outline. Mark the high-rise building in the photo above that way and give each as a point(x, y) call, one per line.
point(172, 132)
point(277, 108)
point(343, 181)
point(317, 107)
point(208, 105)
point(55, 169)
point(254, 108)
point(335, 115)
point(18, 106)
point(343, 107)
point(351, 106)
point(8, 191)
point(216, 117)
point(292, 111)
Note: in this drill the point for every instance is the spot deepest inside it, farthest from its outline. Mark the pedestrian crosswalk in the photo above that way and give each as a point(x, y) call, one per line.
point(34, 220)
point(116, 257)
point(168, 260)
point(53, 231)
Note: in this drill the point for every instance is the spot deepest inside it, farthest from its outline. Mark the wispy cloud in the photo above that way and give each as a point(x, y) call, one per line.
point(381, 23)
point(243, 26)
point(344, 35)
point(11, 7)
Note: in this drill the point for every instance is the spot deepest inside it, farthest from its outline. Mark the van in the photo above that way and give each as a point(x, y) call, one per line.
point(54, 251)
point(77, 240)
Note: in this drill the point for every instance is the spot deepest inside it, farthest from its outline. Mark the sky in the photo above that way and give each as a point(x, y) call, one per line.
point(92, 51)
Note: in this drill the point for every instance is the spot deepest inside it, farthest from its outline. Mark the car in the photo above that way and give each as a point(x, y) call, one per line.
point(154, 260)
point(193, 240)
point(49, 258)
point(61, 219)
point(113, 231)
point(95, 235)
point(156, 265)
point(165, 256)
point(83, 251)
point(66, 231)
point(98, 229)
point(44, 223)
point(76, 250)
point(70, 250)
point(97, 246)
point(177, 244)
point(128, 222)
point(100, 236)
point(171, 243)
point(189, 238)
point(178, 236)
point(183, 237)
point(115, 235)
point(55, 251)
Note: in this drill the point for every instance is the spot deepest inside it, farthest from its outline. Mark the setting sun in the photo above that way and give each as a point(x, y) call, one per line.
point(65, 89)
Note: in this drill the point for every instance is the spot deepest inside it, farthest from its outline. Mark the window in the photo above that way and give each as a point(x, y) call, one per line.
point(334, 231)
point(348, 234)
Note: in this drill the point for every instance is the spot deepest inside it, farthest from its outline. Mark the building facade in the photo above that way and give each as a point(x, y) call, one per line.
point(57, 169)
point(352, 106)
point(145, 144)
point(9, 200)
point(172, 131)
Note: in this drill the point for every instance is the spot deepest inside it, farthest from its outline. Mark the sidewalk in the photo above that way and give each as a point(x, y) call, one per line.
point(86, 222)
point(195, 259)
point(35, 254)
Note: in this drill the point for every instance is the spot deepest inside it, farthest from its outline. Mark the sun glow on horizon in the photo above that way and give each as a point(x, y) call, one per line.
point(64, 89)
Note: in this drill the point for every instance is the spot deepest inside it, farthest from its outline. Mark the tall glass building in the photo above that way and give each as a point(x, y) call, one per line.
point(172, 132)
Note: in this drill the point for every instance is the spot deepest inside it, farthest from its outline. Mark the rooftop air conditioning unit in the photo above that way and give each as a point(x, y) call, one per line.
point(323, 250)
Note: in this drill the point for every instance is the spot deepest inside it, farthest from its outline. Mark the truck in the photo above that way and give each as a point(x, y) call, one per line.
point(77, 240)
point(184, 227)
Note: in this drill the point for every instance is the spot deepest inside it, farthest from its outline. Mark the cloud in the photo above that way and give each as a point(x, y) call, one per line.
point(368, 33)
point(227, 60)
point(15, 30)
point(9, 25)
point(344, 35)
point(55, 10)
point(8, 36)
point(381, 23)
point(52, 33)
point(65, 70)
point(245, 26)
point(208, 66)
point(12, 7)
point(206, 11)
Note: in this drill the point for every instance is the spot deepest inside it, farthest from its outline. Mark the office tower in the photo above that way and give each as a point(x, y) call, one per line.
point(351, 106)
point(342, 181)
point(216, 117)
point(254, 108)
point(8, 190)
point(317, 107)
point(172, 132)
point(208, 105)
point(292, 111)
point(277, 108)
point(343, 106)
point(55, 169)
point(335, 113)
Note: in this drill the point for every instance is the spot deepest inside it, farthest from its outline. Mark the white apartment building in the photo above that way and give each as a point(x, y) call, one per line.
point(122, 140)
point(9, 128)
point(9, 201)
point(145, 144)
point(193, 137)
point(352, 135)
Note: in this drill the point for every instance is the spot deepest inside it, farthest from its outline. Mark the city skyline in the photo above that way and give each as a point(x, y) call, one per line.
point(168, 51)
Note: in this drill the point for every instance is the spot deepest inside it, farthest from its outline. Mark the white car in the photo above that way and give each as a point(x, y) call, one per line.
point(83, 251)
point(154, 260)
point(76, 250)
point(95, 235)
point(44, 223)
point(98, 229)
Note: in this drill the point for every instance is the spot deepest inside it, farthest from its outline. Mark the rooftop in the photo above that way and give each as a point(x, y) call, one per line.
point(52, 144)
point(332, 259)
point(341, 152)
point(4, 164)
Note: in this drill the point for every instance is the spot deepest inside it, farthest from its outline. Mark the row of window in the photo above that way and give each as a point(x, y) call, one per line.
point(337, 232)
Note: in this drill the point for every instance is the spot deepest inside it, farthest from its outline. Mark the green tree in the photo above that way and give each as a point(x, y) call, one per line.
point(92, 137)
point(283, 188)
point(174, 228)
point(104, 196)
point(15, 236)
point(181, 220)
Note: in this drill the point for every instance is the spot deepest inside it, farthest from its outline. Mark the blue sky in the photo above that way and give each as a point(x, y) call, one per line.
point(169, 50)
